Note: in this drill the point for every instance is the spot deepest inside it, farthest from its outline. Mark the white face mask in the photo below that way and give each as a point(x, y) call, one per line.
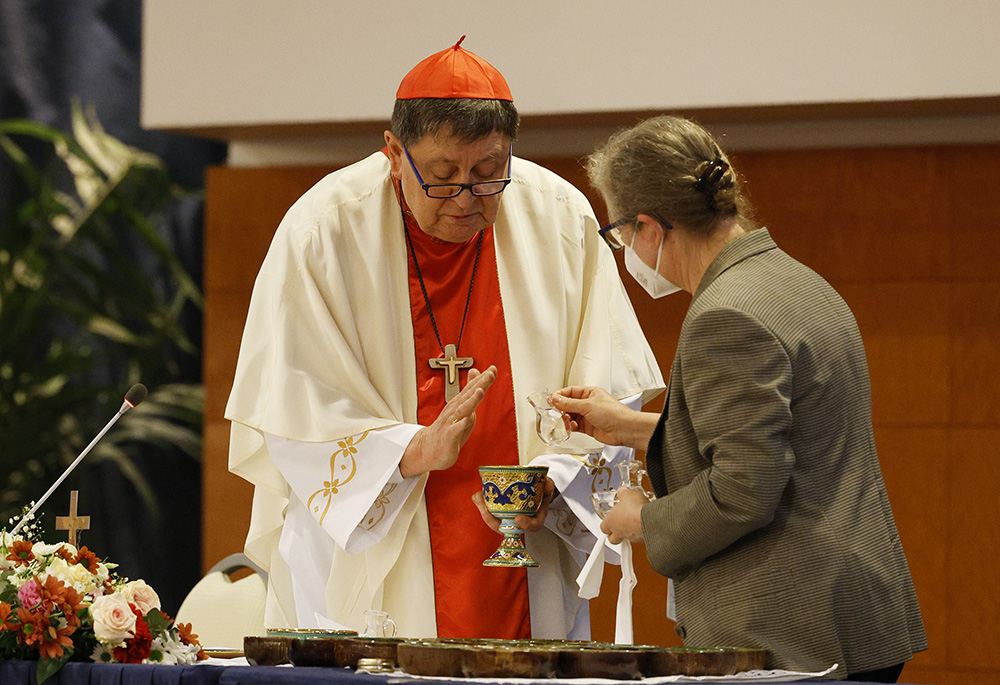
point(649, 278)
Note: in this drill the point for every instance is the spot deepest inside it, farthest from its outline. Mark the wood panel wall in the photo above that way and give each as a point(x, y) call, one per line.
point(909, 238)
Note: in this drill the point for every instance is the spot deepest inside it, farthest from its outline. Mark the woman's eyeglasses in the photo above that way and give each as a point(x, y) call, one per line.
point(612, 234)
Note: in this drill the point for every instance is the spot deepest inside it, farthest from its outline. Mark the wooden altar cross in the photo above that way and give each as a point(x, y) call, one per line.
point(73, 523)
point(450, 363)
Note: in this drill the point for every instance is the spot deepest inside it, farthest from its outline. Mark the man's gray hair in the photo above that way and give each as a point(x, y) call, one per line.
point(469, 119)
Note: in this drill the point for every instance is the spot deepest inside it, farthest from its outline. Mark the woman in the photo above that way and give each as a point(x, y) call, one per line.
point(771, 515)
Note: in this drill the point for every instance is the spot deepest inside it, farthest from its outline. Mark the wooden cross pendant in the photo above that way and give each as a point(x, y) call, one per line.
point(73, 523)
point(450, 364)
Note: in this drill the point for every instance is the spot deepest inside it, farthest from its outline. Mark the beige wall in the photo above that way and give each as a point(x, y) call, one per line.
point(249, 62)
point(300, 82)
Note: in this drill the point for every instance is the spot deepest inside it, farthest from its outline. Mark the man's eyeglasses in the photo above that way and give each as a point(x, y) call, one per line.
point(612, 234)
point(445, 190)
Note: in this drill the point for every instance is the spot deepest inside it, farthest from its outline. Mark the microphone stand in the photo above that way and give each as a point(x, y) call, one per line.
point(135, 395)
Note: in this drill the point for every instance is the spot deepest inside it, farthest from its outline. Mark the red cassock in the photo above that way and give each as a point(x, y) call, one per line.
point(471, 600)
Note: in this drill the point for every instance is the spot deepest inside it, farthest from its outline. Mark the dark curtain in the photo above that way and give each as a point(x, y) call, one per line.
point(50, 52)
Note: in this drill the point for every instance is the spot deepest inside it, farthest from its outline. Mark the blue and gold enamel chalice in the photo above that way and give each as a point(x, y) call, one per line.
point(509, 491)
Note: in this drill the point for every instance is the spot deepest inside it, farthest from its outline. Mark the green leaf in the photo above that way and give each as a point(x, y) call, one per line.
point(111, 155)
point(7, 590)
point(49, 667)
point(22, 163)
point(102, 325)
point(157, 623)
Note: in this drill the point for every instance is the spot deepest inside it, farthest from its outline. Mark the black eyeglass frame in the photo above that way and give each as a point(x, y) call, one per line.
point(459, 187)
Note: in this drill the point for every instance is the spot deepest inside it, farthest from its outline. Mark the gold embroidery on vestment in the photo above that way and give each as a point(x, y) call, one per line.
point(345, 455)
point(565, 521)
point(380, 502)
point(601, 472)
point(597, 466)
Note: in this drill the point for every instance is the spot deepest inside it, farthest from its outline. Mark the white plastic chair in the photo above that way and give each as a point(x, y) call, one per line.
point(222, 611)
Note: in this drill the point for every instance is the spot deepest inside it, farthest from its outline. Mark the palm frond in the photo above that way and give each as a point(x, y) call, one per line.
point(91, 300)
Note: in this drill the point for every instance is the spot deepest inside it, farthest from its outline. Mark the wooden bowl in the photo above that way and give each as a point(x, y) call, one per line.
point(601, 661)
point(493, 661)
point(354, 648)
point(431, 658)
point(697, 662)
point(315, 652)
point(267, 651)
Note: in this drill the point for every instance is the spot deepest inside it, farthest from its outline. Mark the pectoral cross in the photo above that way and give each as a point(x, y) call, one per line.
point(450, 363)
point(73, 523)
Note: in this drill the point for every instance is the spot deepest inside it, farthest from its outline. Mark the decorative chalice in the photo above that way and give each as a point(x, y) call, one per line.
point(509, 491)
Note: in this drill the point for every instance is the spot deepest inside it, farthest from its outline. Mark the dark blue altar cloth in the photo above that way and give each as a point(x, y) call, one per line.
point(82, 673)
point(23, 673)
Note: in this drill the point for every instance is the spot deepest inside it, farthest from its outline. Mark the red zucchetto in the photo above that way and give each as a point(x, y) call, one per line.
point(454, 73)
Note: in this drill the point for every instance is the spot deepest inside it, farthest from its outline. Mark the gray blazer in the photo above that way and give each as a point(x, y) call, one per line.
point(772, 517)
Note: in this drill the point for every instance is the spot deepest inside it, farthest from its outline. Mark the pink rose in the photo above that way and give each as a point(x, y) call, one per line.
point(141, 596)
point(113, 619)
point(29, 595)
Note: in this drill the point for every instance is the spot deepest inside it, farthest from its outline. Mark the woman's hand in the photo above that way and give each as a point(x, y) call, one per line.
point(624, 521)
point(597, 413)
point(528, 524)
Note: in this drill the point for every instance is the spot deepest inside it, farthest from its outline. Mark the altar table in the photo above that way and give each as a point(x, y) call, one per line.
point(23, 673)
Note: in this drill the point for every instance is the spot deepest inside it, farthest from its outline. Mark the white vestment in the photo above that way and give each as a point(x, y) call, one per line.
point(327, 358)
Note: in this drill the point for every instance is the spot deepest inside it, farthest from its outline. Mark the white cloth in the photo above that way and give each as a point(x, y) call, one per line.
point(327, 354)
point(623, 614)
point(590, 577)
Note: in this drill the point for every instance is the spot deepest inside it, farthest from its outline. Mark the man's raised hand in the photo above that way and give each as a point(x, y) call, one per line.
point(435, 447)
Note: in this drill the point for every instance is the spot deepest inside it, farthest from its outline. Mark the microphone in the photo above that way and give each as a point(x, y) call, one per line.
point(136, 394)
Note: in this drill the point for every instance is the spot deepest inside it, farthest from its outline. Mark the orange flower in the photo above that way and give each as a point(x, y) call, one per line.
point(74, 603)
point(63, 598)
point(87, 559)
point(55, 642)
point(32, 626)
point(184, 632)
point(20, 553)
point(189, 638)
point(64, 554)
point(53, 589)
point(5, 611)
point(59, 592)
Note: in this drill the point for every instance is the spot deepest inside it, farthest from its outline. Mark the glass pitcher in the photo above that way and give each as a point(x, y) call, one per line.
point(378, 624)
point(631, 472)
point(551, 424)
